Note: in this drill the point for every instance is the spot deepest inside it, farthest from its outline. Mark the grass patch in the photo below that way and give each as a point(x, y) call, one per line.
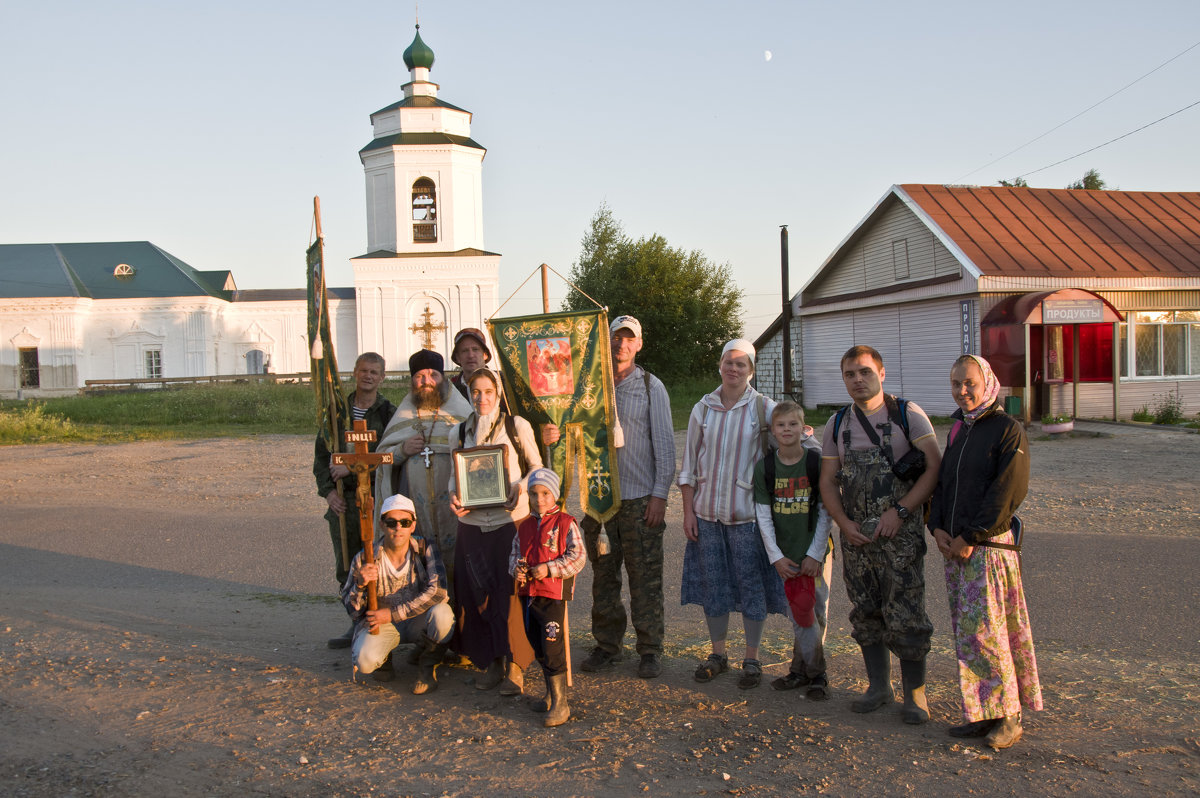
point(225, 410)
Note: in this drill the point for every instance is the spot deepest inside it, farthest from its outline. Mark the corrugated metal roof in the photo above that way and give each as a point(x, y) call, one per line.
point(89, 270)
point(1067, 232)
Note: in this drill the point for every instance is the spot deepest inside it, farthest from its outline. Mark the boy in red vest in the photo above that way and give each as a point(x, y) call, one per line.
point(547, 552)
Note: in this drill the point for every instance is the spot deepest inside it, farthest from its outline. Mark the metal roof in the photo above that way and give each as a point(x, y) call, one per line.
point(420, 101)
point(421, 139)
point(90, 270)
point(1049, 232)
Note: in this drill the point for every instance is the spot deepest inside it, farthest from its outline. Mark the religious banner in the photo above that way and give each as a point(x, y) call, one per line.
point(557, 369)
point(331, 402)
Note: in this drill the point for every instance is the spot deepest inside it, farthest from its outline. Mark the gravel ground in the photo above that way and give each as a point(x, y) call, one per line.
point(163, 610)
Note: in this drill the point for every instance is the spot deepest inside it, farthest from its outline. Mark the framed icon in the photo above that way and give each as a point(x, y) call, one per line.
point(480, 476)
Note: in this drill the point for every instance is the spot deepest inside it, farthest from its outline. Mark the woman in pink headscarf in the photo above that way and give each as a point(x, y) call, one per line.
point(984, 478)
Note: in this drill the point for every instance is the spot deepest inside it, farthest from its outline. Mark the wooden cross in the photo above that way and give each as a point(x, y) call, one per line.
point(428, 328)
point(361, 464)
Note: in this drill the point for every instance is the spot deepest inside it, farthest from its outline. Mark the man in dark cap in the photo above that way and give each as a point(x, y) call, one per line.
point(417, 439)
point(470, 353)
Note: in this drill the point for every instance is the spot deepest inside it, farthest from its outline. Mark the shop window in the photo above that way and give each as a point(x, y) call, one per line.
point(31, 372)
point(153, 363)
point(1165, 343)
point(424, 210)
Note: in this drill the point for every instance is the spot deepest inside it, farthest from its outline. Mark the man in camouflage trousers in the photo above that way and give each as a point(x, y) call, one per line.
point(645, 469)
point(881, 518)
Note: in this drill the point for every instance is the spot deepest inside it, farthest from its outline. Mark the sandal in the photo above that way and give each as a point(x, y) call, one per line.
point(751, 674)
point(790, 682)
point(708, 670)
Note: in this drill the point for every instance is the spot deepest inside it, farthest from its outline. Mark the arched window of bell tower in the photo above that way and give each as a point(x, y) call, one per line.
point(424, 210)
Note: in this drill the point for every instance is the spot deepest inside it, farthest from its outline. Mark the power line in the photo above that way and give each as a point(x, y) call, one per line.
point(1081, 113)
point(1110, 141)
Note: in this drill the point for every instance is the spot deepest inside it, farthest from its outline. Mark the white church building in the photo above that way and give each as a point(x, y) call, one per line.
point(129, 310)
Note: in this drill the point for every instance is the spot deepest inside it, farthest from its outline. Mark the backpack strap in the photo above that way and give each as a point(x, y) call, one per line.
point(510, 429)
point(838, 418)
point(769, 472)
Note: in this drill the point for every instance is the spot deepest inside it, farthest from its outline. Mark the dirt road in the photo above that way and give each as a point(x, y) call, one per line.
point(164, 606)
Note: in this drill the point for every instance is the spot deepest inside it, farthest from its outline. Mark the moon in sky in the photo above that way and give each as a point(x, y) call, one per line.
point(766, 55)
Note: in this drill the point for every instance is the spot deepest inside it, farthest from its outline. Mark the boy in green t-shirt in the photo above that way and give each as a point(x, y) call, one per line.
point(795, 530)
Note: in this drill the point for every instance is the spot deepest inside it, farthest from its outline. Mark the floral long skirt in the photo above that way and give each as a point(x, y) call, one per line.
point(997, 670)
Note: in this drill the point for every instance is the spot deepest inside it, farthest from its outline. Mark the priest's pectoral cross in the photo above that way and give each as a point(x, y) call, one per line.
point(361, 463)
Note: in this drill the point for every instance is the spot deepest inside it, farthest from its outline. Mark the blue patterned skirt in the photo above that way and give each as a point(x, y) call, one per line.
point(726, 570)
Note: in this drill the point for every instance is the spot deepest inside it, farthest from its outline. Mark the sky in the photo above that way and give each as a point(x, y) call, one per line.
point(207, 128)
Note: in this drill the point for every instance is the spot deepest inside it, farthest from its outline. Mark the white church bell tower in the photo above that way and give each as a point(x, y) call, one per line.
point(426, 273)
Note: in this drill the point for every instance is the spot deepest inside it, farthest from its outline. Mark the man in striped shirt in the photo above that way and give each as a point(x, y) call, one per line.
point(645, 469)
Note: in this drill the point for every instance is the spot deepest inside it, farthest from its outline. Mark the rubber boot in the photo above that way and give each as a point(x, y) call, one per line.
point(514, 680)
point(879, 674)
point(543, 705)
point(912, 677)
point(492, 676)
point(559, 711)
point(427, 664)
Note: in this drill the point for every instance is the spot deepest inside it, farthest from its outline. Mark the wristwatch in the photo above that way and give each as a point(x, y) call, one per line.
point(902, 511)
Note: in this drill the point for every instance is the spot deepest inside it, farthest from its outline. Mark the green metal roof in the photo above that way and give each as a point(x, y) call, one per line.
point(402, 139)
point(418, 53)
point(87, 270)
point(421, 101)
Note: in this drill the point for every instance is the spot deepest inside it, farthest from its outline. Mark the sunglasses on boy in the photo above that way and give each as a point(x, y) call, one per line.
point(403, 523)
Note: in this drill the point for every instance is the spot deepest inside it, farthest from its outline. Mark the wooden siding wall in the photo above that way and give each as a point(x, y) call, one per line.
point(868, 265)
point(1095, 398)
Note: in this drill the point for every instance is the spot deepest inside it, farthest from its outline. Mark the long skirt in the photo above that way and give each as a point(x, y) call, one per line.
point(727, 570)
point(997, 670)
point(484, 590)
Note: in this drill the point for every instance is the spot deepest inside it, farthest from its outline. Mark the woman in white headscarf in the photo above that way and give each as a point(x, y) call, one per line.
point(482, 585)
point(725, 567)
point(984, 478)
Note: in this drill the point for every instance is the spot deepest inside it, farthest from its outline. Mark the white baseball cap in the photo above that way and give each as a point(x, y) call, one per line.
point(628, 323)
point(398, 502)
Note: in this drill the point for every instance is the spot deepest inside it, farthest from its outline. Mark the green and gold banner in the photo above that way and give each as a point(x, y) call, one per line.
point(557, 369)
point(332, 409)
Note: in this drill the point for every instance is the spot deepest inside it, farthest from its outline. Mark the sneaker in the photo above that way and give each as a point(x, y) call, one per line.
point(599, 660)
point(751, 674)
point(342, 641)
point(791, 681)
point(818, 689)
point(650, 666)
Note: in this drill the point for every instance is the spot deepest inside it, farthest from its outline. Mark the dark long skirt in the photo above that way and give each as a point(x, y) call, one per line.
point(484, 589)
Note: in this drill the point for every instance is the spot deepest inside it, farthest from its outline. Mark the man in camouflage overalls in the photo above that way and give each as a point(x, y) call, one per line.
point(645, 469)
point(881, 518)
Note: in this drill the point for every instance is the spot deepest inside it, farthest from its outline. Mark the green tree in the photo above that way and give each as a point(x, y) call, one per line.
point(1091, 182)
point(1016, 182)
point(688, 305)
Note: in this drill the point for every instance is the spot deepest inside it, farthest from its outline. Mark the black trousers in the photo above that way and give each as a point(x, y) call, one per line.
point(545, 630)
